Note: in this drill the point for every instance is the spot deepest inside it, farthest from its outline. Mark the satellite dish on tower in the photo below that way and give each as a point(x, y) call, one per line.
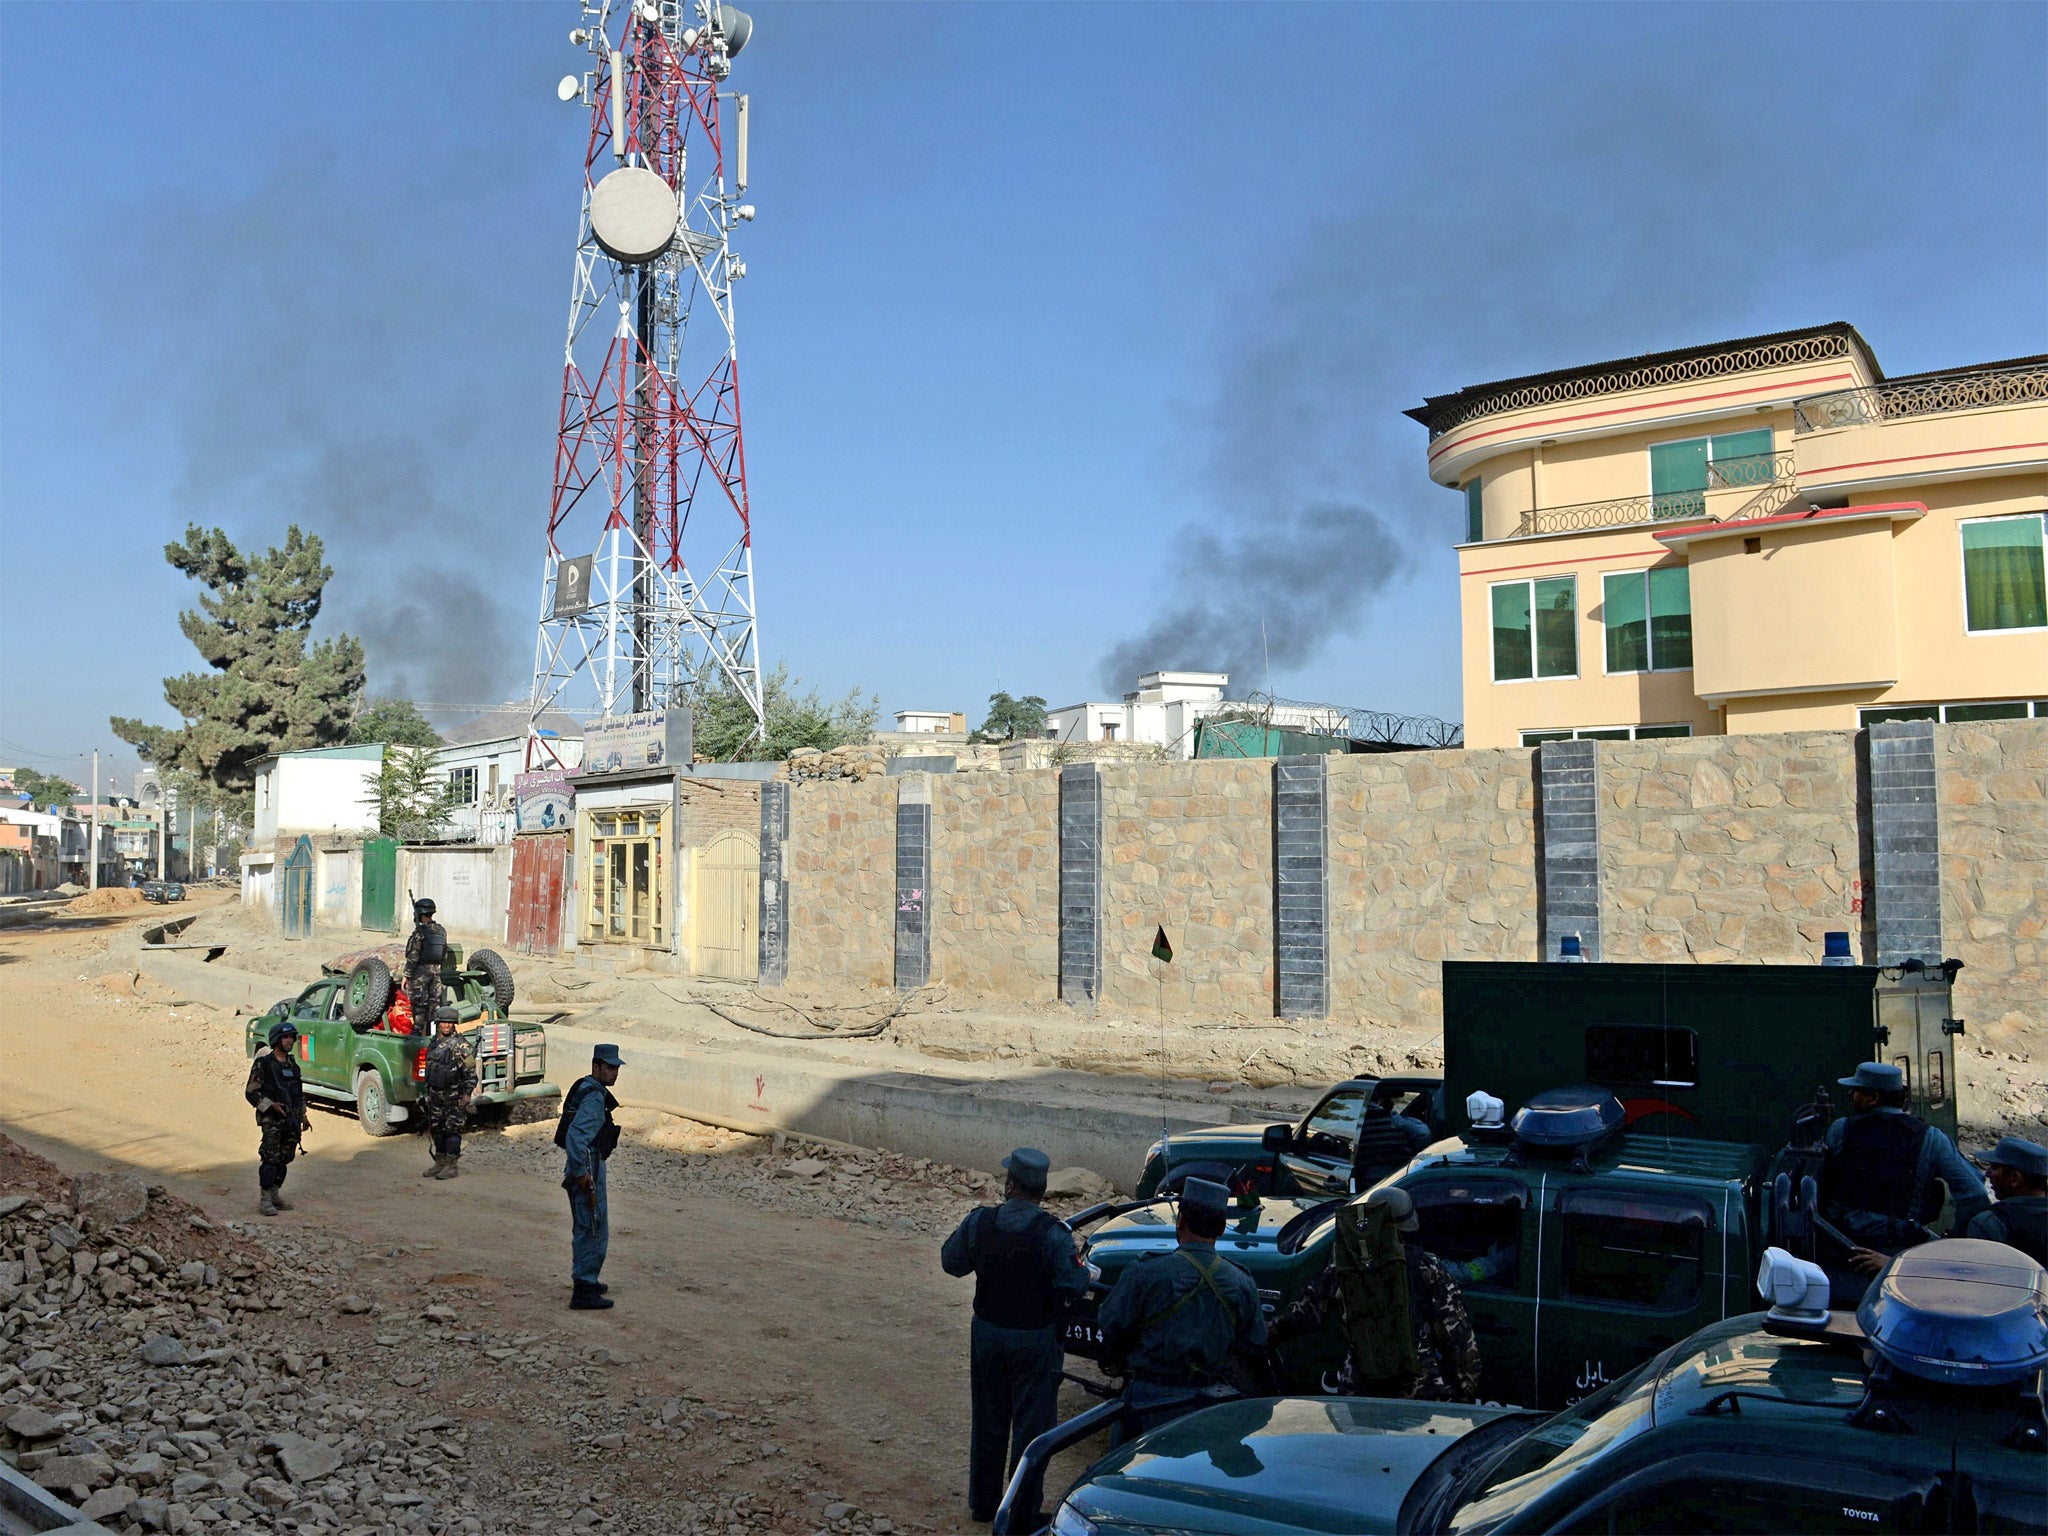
point(736, 26)
point(633, 215)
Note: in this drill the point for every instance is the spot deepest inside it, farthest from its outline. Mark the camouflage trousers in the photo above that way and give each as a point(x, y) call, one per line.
point(423, 988)
point(279, 1146)
point(446, 1115)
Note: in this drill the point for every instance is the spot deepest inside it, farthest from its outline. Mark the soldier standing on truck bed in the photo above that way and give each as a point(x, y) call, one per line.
point(2018, 1174)
point(1402, 1316)
point(425, 948)
point(276, 1094)
point(1877, 1185)
point(1024, 1266)
point(446, 1095)
point(1174, 1319)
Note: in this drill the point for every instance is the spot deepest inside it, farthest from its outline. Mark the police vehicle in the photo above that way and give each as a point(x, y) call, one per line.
point(1921, 1412)
point(1626, 1194)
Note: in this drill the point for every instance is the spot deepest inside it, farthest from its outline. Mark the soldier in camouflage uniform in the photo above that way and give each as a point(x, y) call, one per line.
point(445, 1097)
point(425, 948)
point(1446, 1350)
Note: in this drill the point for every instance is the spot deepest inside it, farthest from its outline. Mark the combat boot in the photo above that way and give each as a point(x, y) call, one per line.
point(267, 1206)
point(277, 1199)
point(433, 1169)
point(584, 1299)
point(450, 1167)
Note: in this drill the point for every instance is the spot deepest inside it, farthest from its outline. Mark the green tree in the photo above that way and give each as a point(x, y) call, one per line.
point(271, 689)
point(411, 795)
point(202, 805)
point(723, 725)
point(1011, 719)
point(392, 722)
point(45, 791)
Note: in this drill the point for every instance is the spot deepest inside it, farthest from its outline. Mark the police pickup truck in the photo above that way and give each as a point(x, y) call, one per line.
point(360, 1046)
point(1626, 1198)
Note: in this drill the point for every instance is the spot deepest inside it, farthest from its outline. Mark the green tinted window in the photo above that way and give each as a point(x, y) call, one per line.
point(1537, 738)
point(1661, 732)
point(1957, 714)
point(1866, 718)
point(2004, 586)
point(1624, 604)
point(1744, 457)
point(1512, 658)
point(1475, 522)
point(1557, 627)
point(1633, 1249)
point(1670, 618)
point(1678, 478)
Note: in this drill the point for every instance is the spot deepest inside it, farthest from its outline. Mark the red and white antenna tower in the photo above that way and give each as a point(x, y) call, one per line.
point(648, 582)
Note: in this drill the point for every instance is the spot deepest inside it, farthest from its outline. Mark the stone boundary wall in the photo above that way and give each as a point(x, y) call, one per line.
point(995, 916)
point(1707, 849)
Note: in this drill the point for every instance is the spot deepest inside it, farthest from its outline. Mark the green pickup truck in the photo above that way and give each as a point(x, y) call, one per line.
point(1581, 1253)
point(358, 1044)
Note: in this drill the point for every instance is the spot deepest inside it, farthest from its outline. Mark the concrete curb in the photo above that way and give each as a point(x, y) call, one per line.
point(26, 1505)
point(971, 1122)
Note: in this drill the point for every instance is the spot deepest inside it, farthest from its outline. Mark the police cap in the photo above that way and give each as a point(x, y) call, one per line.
point(606, 1055)
point(1205, 1195)
point(2020, 1155)
point(1876, 1077)
point(1399, 1206)
point(1029, 1167)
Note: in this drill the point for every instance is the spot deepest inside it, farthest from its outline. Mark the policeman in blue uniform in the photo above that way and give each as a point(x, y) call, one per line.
point(1174, 1319)
point(588, 1135)
point(1877, 1185)
point(2017, 1171)
point(1025, 1270)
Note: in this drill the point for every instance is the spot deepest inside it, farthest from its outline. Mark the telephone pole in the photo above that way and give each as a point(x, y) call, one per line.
point(92, 848)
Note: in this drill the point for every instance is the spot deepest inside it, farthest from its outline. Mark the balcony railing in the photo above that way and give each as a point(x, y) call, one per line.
point(1920, 397)
point(1772, 475)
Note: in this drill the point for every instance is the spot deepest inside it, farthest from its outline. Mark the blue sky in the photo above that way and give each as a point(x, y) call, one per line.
point(1071, 333)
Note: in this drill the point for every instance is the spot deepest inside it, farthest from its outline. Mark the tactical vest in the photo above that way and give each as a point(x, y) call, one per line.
point(1877, 1167)
point(1382, 1147)
point(446, 1064)
point(1375, 1292)
point(1011, 1287)
point(2026, 1227)
point(281, 1085)
point(431, 949)
point(608, 1134)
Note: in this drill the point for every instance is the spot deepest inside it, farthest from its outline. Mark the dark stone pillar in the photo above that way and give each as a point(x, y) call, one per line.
point(774, 927)
point(1905, 836)
point(1080, 883)
point(913, 881)
point(1301, 890)
point(1568, 781)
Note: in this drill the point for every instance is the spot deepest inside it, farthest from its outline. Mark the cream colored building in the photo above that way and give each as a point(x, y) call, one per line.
point(1761, 535)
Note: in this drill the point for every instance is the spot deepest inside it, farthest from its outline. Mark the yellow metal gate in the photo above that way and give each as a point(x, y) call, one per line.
point(725, 896)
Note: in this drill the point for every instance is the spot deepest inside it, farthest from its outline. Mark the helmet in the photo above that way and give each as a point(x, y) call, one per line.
point(283, 1029)
point(422, 909)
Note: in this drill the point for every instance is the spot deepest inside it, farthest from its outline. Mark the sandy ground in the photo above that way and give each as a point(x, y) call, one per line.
point(806, 1304)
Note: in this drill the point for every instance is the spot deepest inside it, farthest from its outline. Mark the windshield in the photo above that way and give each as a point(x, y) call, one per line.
point(1337, 1117)
point(1557, 1447)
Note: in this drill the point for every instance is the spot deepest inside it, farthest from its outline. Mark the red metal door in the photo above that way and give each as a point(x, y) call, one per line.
point(540, 862)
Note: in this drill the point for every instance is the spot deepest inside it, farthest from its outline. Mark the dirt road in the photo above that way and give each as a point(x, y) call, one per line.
point(807, 1305)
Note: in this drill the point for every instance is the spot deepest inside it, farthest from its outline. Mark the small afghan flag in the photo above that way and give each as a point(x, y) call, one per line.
point(1161, 950)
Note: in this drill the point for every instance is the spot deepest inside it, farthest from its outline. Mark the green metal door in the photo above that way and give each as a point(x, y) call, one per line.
point(296, 893)
point(380, 884)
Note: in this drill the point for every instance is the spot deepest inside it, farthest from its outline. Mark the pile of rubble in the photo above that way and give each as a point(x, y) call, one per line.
point(856, 760)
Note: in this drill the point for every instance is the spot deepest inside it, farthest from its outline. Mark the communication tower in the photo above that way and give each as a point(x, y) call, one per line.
point(649, 574)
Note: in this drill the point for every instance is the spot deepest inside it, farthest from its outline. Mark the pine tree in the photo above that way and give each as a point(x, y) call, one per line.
point(270, 690)
point(392, 722)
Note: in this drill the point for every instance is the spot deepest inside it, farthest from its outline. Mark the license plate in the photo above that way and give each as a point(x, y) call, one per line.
point(1081, 1336)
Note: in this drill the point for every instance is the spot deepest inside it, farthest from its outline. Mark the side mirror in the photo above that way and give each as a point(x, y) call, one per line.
point(1277, 1138)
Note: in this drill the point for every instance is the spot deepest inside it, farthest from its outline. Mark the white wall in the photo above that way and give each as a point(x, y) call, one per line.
point(259, 881)
point(338, 892)
point(471, 887)
point(317, 793)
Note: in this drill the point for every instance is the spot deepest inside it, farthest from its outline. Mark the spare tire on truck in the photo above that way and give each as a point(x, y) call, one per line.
point(367, 991)
point(497, 974)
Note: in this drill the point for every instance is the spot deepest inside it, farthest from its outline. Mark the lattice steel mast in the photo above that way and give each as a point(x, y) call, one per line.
point(648, 577)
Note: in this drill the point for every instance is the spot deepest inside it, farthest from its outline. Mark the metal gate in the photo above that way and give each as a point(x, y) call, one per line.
point(296, 891)
point(724, 916)
point(380, 884)
point(540, 863)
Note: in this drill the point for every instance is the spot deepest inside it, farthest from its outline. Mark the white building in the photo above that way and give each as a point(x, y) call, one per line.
point(928, 722)
point(481, 758)
point(326, 792)
point(1164, 708)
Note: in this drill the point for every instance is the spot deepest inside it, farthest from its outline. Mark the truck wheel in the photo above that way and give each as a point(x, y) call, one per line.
point(367, 992)
point(497, 973)
point(371, 1103)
